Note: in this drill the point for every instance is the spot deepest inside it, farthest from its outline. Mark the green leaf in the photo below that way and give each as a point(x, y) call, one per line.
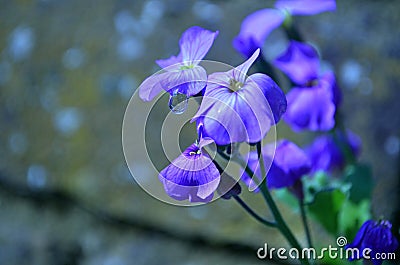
point(360, 177)
point(352, 216)
point(326, 208)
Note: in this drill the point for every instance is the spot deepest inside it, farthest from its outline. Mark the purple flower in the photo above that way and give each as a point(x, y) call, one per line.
point(306, 7)
point(300, 62)
point(375, 236)
point(311, 108)
point(312, 103)
point(326, 154)
point(255, 29)
point(257, 26)
point(239, 109)
point(182, 73)
point(288, 165)
point(192, 175)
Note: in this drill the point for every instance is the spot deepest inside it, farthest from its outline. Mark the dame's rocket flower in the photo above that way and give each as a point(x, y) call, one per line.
point(255, 29)
point(326, 154)
point(312, 103)
point(192, 175)
point(377, 237)
point(300, 62)
point(182, 73)
point(257, 26)
point(289, 164)
point(311, 108)
point(236, 108)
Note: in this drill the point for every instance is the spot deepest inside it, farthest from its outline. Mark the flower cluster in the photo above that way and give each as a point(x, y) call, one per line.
point(235, 108)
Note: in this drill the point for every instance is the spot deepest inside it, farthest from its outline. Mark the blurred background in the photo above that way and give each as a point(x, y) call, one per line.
point(67, 71)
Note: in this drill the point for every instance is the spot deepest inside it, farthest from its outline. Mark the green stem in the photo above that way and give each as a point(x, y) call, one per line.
point(240, 201)
point(223, 155)
point(280, 222)
point(253, 214)
point(305, 223)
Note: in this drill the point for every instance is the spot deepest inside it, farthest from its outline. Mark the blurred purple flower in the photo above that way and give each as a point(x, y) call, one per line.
point(306, 7)
point(257, 26)
point(312, 103)
point(240, 109)
point(311, 108)
point(255, 29)
point(192, 175)
point(182, 73)
point(326, 154)
point(377, 237)
point(289, 164)
point(300, 62)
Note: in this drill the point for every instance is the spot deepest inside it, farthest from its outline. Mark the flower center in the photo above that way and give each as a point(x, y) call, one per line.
point(185, 67)
point(312, 83)
point(192, 153)
point(235, 85)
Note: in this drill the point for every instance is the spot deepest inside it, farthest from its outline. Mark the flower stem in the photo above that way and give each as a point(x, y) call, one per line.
point(253, 214)
point(305, 223)
point(280, 222)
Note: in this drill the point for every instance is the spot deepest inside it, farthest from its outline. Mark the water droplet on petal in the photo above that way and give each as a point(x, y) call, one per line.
point(178, 102)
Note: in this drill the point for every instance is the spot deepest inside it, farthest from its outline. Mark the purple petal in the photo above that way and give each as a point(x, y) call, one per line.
point(355, 142)
point(228, 116)
point(376, 236)
point(275, 96)
point(330, 78)
point(255, 29)
point(195, 43)
point(239, 73)
point(290, 164)
point(188, 80)
point(357, 242)
point(221, 115)
point(268, 152)
point(310, 108)
point(204, 142)
point(326, 155)
point(300, 62)
point(306, 7)
point(191, 176)
point(163, 63)
point(234, 109)
point(152, 86)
